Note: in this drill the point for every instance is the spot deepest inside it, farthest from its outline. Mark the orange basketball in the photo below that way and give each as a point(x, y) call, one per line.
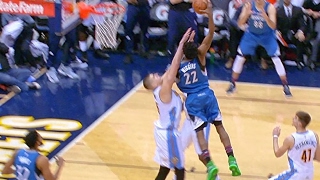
point(199, 5)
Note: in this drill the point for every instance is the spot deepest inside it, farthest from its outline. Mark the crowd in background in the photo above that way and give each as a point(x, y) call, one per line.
point(25, 48)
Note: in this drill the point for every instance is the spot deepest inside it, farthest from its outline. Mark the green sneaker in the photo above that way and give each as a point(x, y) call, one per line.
point(212, 171)
point(233, 166)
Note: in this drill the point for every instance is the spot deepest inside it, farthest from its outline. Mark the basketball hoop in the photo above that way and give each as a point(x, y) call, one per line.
point(107, 18)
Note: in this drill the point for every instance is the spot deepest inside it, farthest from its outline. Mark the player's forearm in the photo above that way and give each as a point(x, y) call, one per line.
point(57, 174)
point(243, 20)
point(271, 24)
point(211, 25)
point(275, 146)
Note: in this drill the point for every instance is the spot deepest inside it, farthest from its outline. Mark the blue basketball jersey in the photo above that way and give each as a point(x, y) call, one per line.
point(256, 23)
point(25, 163)
point(191, 78)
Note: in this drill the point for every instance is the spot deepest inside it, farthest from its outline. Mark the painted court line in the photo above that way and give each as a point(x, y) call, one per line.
point(256, 177)
point(100, 119)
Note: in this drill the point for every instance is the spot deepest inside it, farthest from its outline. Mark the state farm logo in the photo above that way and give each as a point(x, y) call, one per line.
point(21, 7)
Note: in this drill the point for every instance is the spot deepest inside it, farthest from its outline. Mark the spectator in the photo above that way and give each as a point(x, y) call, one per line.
point(312, 8)
point(292, 26)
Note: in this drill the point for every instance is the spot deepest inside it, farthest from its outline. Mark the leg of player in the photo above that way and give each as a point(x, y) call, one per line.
point(205, 156)
point(236, 70)
point(272, 48)
point(83, 42)
point(282, 74)
point(224, 138)
point(163, 173)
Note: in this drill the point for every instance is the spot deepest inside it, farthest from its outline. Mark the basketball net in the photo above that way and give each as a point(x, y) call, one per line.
point(107, 18)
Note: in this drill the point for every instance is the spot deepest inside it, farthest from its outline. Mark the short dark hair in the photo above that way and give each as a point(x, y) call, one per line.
point(31, 138)
point(304, 118)
point(190, 50)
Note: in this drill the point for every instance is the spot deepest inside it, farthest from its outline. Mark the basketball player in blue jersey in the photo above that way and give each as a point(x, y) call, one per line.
point(29, 163)
point(302, 147)
point(201, 104)
point(259, 19)
point(169, 152)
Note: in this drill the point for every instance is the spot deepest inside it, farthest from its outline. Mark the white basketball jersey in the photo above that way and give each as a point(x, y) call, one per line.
point(169, 113)
point(302, 154)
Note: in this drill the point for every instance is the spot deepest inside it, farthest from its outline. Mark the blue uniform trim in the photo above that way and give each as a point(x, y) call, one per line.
point(289, 174)
point(172, 143)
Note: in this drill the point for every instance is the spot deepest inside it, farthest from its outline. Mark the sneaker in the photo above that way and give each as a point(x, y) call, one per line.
point(212, 171)
point(232, 88)
point(33, 85)
point(67, 71)
point(287, 91)
point(14, 89)
point(52, 75)
point(233, 166)
point(77, 63)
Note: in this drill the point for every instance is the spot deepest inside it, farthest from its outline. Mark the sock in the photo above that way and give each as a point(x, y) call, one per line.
point(206, 156)
point(83, 46)
point(31, 79)
point(280, 69)
point(233, 80)
point(96, 44)
point(284, 82)
point(229, 151)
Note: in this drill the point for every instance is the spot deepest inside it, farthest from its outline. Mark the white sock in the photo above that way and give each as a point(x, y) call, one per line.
point(96, 44)
point(83, 46)
point(238, 64)
point(279, 66)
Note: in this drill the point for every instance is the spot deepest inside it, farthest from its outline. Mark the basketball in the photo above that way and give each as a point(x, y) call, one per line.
point(199, 5)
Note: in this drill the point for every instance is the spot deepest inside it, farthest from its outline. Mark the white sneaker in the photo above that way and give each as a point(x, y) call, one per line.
point(52, 75)
point(67, 71)
point(77, 63)
point(33, 85)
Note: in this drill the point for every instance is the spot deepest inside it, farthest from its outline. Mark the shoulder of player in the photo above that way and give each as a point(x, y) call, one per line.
point(289, 140)
point(42, 160)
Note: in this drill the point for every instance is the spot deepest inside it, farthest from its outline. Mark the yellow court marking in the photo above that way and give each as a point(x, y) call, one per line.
point(122, 146)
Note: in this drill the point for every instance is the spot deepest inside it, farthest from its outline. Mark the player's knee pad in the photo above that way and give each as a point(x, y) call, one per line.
point(163, 173)
point(278, 65)
point(238, 64)
point(179, 173)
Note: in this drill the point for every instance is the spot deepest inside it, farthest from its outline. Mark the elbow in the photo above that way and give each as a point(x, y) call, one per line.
point(277, 154)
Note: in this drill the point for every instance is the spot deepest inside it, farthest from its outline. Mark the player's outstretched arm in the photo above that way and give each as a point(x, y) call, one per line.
point(244, 15)
point(287, 143)
point(206, 43)
point(170, 76)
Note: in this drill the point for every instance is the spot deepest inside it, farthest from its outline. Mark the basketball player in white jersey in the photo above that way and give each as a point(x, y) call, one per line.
point(302, 147)
point(169, 152)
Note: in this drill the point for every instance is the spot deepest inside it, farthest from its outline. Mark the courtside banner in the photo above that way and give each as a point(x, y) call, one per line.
point(31, 7)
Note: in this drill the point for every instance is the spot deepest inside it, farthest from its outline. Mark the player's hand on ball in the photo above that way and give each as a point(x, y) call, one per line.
point(276, 131)
point(209, 9)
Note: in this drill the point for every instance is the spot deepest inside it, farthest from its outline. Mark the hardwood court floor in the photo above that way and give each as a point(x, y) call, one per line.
point(122, 147)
